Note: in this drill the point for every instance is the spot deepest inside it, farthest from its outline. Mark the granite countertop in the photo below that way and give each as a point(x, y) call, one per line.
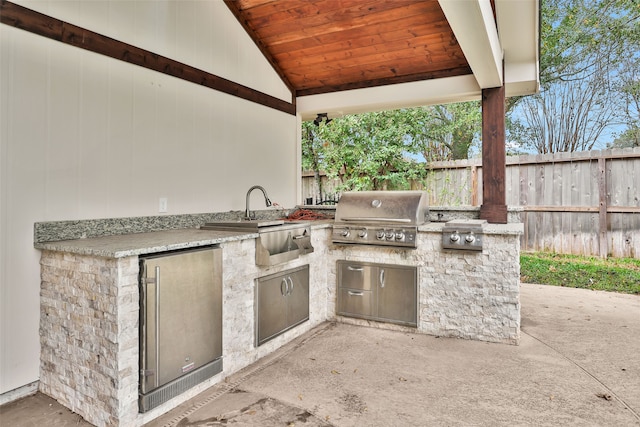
point(124, 245)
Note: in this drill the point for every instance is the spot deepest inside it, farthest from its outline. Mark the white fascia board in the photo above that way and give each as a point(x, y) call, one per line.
point(403, 95)
point(519, 28)
point(521, 78)
point(475, 29)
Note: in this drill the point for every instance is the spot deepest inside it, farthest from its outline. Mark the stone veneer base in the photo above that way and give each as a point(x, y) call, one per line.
point(89, 311)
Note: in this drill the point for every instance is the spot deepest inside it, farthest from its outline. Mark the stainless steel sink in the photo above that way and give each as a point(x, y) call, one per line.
point(245, 224)
point(278, 241)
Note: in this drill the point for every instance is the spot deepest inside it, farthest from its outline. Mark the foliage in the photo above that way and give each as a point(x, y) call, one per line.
point(383, 150)
point(613, 274)
point(628, 139)
point(369, 151)
point(589, 52)
point(446, 132)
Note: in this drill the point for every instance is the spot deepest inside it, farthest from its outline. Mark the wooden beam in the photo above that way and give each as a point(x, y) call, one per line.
point(494, 168)
point(586, 209)
point(37, 23)
point(453, 72)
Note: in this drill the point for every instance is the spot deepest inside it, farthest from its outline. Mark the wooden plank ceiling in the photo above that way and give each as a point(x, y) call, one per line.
point(321, 46)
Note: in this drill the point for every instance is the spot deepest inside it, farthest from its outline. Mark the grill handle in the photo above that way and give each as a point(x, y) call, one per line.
point(365, 219)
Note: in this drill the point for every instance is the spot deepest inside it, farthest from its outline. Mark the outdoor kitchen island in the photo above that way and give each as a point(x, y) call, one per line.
point(90, 304)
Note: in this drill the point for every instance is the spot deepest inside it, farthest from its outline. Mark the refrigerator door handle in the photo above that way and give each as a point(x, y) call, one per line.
point(157, 326)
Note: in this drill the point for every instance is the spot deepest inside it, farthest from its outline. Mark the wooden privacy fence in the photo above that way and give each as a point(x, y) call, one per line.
point(584, 203)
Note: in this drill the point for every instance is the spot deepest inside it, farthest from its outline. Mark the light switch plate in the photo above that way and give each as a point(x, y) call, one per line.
point(163, 205)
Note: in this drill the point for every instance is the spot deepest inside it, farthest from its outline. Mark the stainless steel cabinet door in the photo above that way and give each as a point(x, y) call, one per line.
point(377, 291)
point(271, 315)
point(397, 294)
point(298, 297)
point(282, 302)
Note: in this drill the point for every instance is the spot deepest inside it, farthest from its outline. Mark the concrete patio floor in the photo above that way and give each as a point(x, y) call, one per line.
point(578, 364)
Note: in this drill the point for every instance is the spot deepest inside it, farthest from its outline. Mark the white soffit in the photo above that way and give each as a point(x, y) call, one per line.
point(475, 29)
point(403, 95)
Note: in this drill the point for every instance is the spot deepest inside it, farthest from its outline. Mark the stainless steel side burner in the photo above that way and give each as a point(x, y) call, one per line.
point(387, 218)
point(463, 234)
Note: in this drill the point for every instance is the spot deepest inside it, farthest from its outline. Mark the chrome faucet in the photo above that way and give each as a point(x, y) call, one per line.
point(247, 212)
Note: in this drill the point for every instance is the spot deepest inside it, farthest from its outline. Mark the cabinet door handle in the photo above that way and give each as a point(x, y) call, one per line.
point(382, 277)
point(355, 293)
point(351, 268)
point(284, 287)
point(291, 283)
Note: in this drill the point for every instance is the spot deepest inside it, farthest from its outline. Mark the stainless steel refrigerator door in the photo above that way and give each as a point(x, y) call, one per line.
point(182, 314)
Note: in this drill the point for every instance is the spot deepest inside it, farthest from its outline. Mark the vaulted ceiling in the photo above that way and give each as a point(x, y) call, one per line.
point(331, 45)
point(347, 56)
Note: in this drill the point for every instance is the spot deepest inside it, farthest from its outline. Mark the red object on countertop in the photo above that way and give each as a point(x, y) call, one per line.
point(306, 215)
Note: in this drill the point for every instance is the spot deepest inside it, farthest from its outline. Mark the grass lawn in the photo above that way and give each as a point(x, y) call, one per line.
point(613, 274)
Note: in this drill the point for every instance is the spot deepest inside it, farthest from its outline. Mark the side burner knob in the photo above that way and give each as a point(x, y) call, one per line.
point(345, 232)
point(454, 237)
point(470, 238)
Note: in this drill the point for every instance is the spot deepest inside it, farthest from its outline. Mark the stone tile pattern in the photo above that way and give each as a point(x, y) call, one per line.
point(89, 335)
point(463, 294)
point(89, 312)
point(89, 327)
point(240, 274)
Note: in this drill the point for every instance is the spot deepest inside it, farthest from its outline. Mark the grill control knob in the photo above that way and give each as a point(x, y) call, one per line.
point(345, 232)
point(362, 233)
point(470, 238)
point(380, 234)
point(389, 234)
point(400, 235)
point(454, 237)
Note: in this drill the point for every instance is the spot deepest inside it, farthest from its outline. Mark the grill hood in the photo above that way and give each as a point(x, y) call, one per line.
point(382, 207)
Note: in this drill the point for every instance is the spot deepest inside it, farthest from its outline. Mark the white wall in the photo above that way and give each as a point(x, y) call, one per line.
point(84, 136)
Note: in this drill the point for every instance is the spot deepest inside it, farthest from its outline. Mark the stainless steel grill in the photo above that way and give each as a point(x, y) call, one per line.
point(387, 218)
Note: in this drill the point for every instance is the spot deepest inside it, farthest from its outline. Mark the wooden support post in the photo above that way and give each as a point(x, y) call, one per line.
point(494, 168)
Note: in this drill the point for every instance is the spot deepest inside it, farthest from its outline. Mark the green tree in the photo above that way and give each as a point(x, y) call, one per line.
point(369, 151)
point(383, 150)
point(585, 49)
point(445, 132)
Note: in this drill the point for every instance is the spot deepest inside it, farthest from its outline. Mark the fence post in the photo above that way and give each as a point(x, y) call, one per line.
point(474, 185)
point(602, 217)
